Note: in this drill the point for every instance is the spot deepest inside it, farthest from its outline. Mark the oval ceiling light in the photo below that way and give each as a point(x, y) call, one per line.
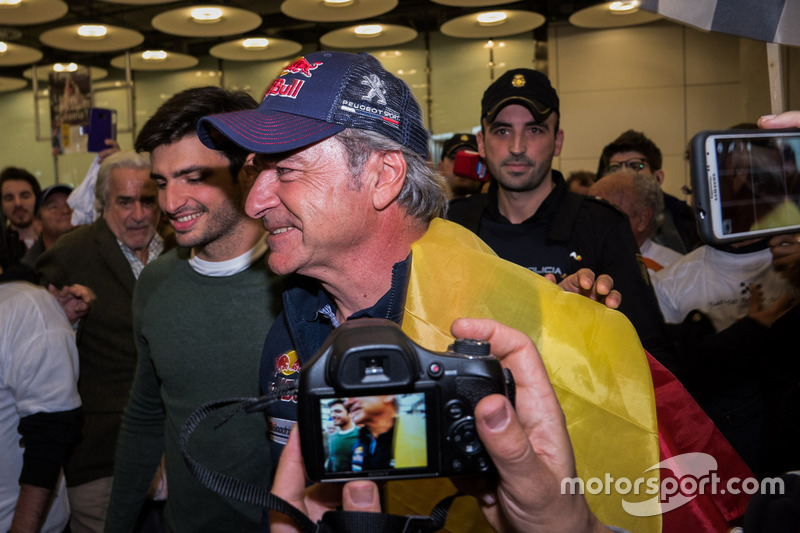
point(154, 55)
point(256, 49)
point(325, 11)
point(139, 2)
point(360, 35)
point(11, 84)
point(338, 3)
point(43, 71)
point(470, 27)
point(618, 14)
point(473, 3)
point(92, 31)
point(68, 38)
point(3, 47)
point(213, 21)
point(61, 67)
point(170, 61)
point(368, 30)
point(17, 54)
point(206, 15)
point(492, 18)
point(14, 12)
point(256, 43)
point(624, 8)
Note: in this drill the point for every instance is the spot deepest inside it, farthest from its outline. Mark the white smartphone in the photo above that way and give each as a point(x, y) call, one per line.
point(746, 183)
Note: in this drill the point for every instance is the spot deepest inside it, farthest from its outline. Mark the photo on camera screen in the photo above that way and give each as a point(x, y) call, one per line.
point(374, 433)
point(758, 182)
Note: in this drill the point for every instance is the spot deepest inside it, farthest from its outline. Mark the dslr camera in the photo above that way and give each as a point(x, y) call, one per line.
point(374, 404)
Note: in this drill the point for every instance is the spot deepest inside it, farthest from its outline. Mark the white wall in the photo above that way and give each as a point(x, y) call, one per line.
point(662, 78)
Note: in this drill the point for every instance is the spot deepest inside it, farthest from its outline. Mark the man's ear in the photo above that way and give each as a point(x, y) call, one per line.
point(659, 175)
point(559, 143)
point(481, 148)
point(643, 217)
point(391, 176)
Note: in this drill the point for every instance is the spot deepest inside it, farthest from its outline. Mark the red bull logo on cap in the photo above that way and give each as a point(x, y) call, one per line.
point(281, 88)
point(287, 363)
point(301, 66)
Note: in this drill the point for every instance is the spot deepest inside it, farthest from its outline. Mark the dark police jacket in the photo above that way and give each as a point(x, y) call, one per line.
point(569, 232)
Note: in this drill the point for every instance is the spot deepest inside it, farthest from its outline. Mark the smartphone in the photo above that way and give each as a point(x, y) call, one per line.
point(468, 164)
point(102, 126)
point(746, 183)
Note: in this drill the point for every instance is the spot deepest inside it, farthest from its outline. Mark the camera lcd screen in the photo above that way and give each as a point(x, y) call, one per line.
point(755, 185)
point(374, 433)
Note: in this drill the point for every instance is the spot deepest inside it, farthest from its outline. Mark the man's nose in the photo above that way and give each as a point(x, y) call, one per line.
point(139, 211)
point(171, 198)
point(262, 195)
point(518, 144)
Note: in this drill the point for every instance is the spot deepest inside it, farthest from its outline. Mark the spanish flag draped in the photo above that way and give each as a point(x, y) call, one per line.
point(593, 357)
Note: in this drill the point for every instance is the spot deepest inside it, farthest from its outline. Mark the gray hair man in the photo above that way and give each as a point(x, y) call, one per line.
point(107, 256)
point(638, 196)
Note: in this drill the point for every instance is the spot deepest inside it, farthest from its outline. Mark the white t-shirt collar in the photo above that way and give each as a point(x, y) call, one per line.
point(231, 266)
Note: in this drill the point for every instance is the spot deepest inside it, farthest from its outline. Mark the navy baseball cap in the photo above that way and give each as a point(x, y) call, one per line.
point(317, 96)
point(50, 191)
point(522, 86)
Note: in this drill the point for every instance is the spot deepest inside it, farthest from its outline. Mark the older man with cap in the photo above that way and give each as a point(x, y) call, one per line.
point(352, 209)
point(54, 214)
point(529, 217)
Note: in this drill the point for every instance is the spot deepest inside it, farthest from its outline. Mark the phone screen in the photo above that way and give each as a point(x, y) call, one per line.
point(754, 184)
point(374, 435)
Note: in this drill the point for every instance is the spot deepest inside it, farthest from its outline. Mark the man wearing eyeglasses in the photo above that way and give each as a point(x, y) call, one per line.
point(632, 150)
point(529, 217)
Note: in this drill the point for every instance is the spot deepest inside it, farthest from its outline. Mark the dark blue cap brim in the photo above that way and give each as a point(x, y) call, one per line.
point(257, 132)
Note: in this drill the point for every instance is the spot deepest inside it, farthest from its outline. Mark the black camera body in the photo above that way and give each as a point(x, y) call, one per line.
point(374, 404)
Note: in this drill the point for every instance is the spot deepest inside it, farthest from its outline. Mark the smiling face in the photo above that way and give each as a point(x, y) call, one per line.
point(340, 416)
point(519, 150)
point(56, 215)
point(131, 211)
point(199, 197)
point(318, 219)
point(367, 410)
point(19, 202)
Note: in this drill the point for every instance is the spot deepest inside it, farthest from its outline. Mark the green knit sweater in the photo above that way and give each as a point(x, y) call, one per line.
point(199, 339)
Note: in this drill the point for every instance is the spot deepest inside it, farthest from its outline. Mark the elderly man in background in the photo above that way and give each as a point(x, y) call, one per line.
point(107, 256)
point(641, 199)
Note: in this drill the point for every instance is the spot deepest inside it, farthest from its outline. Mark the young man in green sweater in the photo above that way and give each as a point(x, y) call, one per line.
point(199, 319)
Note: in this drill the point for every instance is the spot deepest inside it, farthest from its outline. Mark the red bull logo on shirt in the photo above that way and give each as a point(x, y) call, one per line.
point(287, 363)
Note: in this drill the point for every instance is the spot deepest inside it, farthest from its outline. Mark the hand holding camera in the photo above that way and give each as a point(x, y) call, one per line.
point(530, 449)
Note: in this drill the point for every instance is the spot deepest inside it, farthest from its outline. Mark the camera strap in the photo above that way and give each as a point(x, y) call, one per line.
point(332, 521)
point(365, 522)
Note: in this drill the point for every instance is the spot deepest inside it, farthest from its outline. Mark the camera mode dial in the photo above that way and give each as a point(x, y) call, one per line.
point(472, 347)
